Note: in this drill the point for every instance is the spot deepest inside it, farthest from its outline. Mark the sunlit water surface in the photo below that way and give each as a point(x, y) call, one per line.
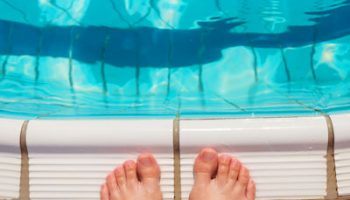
point(158, 58)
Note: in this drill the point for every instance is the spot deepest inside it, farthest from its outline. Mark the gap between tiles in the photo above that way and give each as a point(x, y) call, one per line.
point(331, 174)
point(177, 159)
point(332, 191)
point(24, 178)
point(342, 152)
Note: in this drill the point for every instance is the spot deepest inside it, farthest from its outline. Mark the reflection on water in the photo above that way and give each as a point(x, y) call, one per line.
point(161, 58)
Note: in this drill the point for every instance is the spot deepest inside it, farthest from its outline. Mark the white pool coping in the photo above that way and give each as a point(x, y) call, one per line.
point(69, 159)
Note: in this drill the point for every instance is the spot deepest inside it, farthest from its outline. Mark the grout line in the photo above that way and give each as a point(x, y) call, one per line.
point(286, 68)
point(24, 179)
point(332, 189)
point(37, 58)
point(177, 159)
point(232, 104)
point(334, 198)
point(342, 198)
point(20, 11)
point(103, 69)
point(255, 64)
point(312, 55)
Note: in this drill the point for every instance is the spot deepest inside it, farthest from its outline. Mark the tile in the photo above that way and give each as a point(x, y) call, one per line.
point(59, 79)
point(70, 159)
point(222, 77)
point(342, 152)
point(10, 158)
point(286, 156)
point(121, 81)
point(22, 67)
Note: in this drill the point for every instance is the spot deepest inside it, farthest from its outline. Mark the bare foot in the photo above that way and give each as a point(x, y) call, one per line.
point(221, 178)
point(134, 181)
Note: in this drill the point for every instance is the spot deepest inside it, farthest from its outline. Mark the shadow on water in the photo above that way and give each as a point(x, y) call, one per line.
point(151, 47)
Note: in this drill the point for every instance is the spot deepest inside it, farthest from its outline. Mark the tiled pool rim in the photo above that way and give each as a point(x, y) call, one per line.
point(334, 124)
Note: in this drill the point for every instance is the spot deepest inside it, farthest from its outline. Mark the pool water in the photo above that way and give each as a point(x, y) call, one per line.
point(159, 58)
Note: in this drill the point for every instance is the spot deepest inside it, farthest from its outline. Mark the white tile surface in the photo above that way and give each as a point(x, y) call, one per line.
point(70, 159)
point(10, 158)
point(341, 124)
point(286, 156)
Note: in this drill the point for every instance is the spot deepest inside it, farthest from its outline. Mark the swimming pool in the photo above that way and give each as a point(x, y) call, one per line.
point(129, 58)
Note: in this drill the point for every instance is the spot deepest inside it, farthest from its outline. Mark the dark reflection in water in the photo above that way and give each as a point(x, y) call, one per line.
point(152, 47)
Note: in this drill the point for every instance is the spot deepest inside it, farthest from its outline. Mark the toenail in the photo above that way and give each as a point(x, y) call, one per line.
point(129, 164)
point(251, 182)
point(119, 171)
point(225, 159)
point(146, 161)
point(235, 164)
point(208, 156)
point(103, 187)
point(110, 175)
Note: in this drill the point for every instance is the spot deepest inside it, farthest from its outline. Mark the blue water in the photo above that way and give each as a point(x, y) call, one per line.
point(159, 58)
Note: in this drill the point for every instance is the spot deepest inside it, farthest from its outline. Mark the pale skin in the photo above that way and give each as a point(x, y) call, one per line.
point(216, 177)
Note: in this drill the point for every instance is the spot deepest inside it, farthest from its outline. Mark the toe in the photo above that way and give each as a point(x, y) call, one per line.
point(130, 172)
point(223, 169)
point(205, 165)
point(148, 170)
point(104, 195)
point(235, 167)
point(120, 177)
point(251, 190)
point(243, 180)
point(112, 186)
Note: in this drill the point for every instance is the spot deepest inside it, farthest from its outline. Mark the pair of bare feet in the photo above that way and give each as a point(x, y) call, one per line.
point(217, 177)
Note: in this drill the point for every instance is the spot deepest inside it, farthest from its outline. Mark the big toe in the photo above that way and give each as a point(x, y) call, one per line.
point(205, 165)
point(148, 170)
